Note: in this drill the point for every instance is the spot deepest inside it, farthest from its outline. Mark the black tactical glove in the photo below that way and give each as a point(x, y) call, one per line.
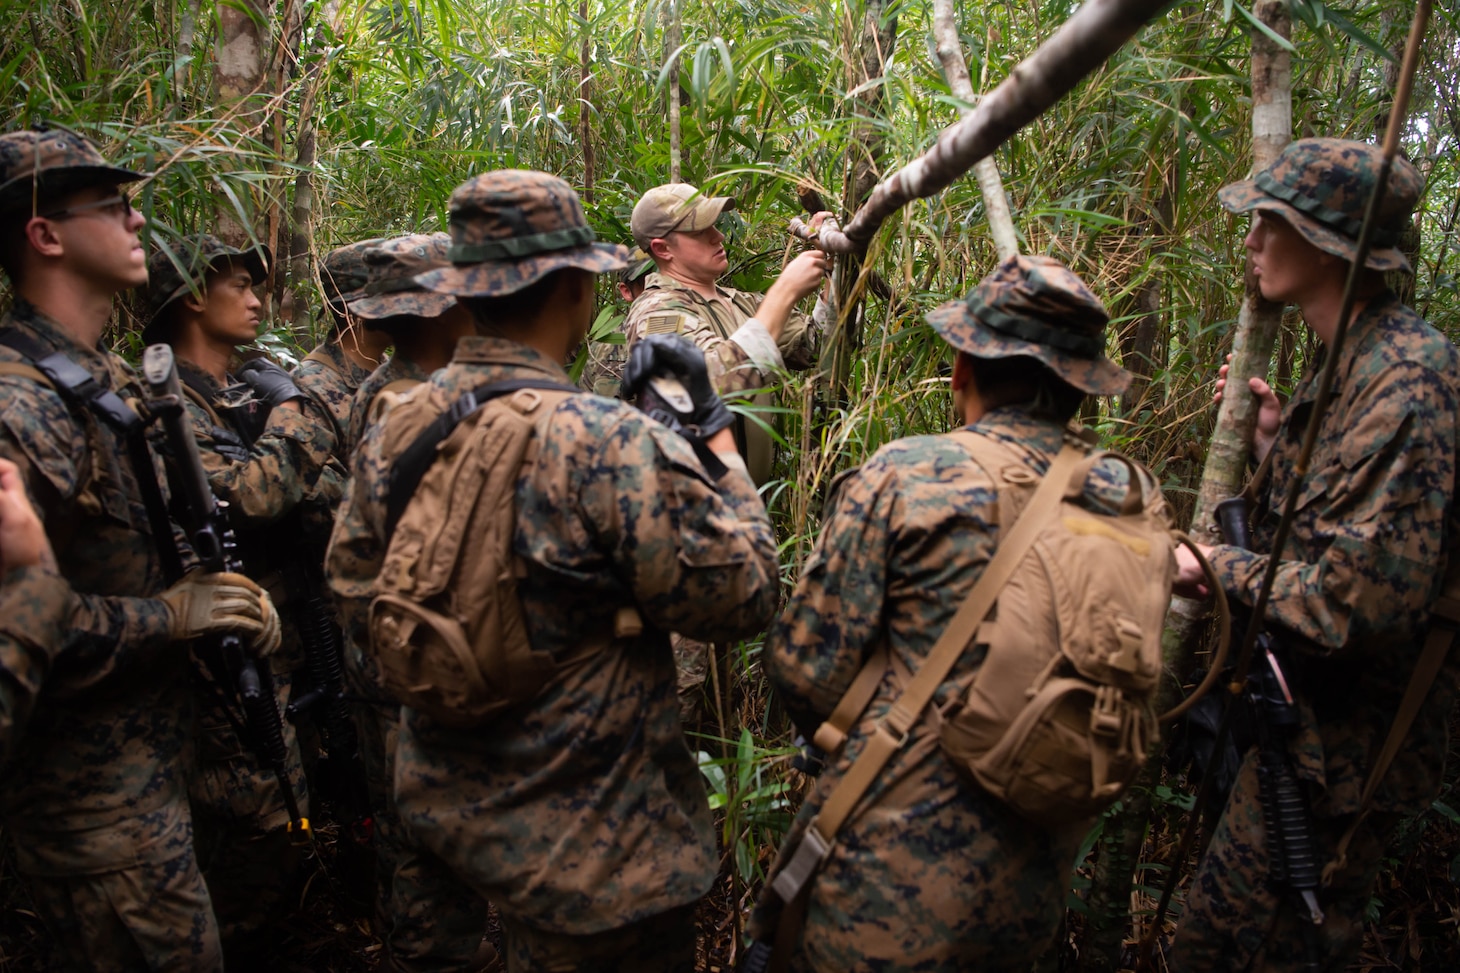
point(672, 355)
point(269, 382)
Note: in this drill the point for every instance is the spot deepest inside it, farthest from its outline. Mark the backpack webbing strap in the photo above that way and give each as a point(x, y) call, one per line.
point(892, 730)
point(1444, 617)
point(408, 469)
point(76, 386)
point(319, 355)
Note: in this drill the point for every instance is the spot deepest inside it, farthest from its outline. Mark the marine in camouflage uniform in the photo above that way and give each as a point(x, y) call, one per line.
point(933, 873)
point(426, 924)
point(332, 372)
point(36, 604)
point(94, 800)
point(581, 814)
point(274, 468)
point(1360, 571)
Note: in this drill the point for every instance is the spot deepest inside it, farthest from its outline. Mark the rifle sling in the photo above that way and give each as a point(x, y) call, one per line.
point(1444, 618)
point(76, 386)
point(409, 468)
point(892, 730)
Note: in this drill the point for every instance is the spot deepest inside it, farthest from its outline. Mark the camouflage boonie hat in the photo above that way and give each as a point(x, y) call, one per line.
point(390, 282)
point(677, 206)
point(1035, 306)
point(1322, 187)
point(640, 263)
point(513, 227)
point(198, 254)
point(51, 161)
point(342, 274)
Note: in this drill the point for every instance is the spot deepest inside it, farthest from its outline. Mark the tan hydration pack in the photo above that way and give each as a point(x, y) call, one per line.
point(1058, 719)
point(446, 626)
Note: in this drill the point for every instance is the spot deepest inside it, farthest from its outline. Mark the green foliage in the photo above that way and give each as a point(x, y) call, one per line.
point(409, 97)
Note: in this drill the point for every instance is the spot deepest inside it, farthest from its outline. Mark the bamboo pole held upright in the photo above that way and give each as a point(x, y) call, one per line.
point(985, 170)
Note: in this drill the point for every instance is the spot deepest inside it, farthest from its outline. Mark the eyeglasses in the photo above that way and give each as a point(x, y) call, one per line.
point(120, 203)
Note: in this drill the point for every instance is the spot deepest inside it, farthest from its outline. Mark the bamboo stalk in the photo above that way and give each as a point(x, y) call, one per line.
point(985, 170)
point(1096, 31)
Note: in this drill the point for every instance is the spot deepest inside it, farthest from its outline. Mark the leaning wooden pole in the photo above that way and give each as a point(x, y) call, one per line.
point(1096, 31)
point(985, 170)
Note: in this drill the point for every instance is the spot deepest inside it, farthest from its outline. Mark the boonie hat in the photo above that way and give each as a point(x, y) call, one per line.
point(197, 255)
point(511, 228)
point(390, 278)
point(640, 263)
point(51, 161)
point(342, 274)
point(677, 206)
point(1035, 306)
point(1322, 188)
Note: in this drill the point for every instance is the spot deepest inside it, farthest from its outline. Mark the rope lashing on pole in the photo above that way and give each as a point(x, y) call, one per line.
point(1390, 149)
point(1097, 30)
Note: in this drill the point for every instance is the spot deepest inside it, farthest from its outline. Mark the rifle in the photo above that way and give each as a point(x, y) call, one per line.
point(340, 770)
point(212, 540)
point(1287, 821)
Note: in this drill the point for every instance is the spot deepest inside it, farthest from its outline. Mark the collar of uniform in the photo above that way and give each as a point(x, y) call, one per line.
point(395, 367)
point(29, 319)
point(1360, 332)
point(350, 373)
point(195, 376)
point(666, 283)
point(488, 350)
point(1016, 425)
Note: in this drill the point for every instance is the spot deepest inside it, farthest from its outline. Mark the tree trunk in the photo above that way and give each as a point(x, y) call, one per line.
point(869, 47)
point(187, 28)
point(671, 48)
point(243, 34)
point(986, 170)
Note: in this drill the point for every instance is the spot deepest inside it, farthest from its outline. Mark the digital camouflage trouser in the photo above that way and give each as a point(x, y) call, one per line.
point(660, 944)
point(245, 851)
point(152, 913)
point(429, 919)
point(1233, 920)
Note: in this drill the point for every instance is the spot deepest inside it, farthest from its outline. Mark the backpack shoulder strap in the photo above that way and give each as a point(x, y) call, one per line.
point(1444, 618)
point(408, 469)
point(26, 371)
point(377, 401)
point(319, 355)
point(892, 731)
point(73, 382)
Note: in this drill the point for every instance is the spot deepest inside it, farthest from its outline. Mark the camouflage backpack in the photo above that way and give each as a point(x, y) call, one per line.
point(446, 626)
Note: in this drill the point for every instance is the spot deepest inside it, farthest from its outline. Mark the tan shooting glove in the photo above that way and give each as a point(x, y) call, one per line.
point(214, 604)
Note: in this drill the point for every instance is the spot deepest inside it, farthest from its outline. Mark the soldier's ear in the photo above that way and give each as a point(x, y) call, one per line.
point(41, 234)
point(659, 249)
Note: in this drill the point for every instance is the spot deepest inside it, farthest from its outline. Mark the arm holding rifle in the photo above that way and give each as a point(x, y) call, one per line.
point(231, 663)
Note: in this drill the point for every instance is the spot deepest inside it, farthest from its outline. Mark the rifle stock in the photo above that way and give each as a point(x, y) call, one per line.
point(205, 522)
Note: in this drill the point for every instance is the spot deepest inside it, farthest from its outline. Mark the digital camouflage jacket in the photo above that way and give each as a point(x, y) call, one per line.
point(289, 462)
point(394, 369)
point(105, 742)
point(1366, 555)
point(329, 376)
point(35, 611)
point(582, 811)
point(933, 874)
